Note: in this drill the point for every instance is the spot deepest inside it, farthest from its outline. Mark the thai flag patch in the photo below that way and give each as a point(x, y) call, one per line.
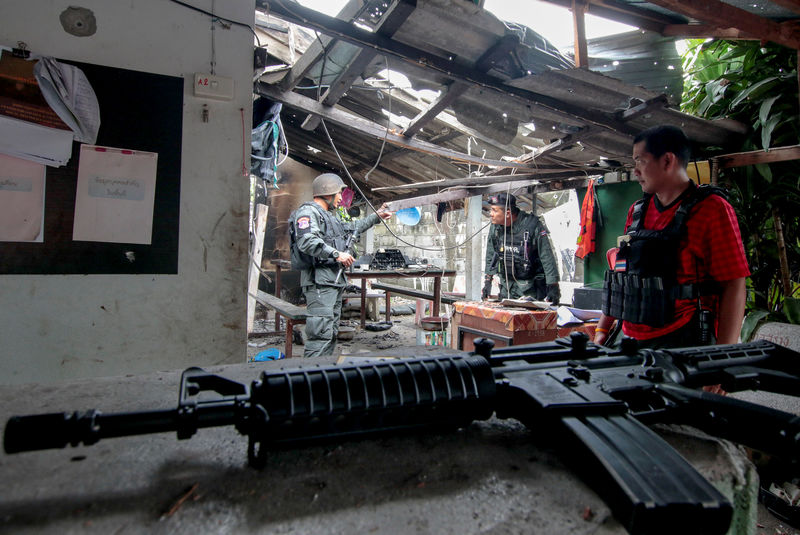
point(304, 222)
point(620, 265)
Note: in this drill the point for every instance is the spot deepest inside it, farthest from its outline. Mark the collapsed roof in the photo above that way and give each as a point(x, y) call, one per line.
point(420, 95)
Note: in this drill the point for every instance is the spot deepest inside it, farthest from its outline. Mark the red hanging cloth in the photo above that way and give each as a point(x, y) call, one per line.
point(586, 239)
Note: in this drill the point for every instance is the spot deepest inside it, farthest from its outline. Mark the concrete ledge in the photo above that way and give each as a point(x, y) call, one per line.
point(491, 477)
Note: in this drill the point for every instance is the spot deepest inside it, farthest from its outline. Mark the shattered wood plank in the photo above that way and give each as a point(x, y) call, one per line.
point(538, 186)
point(777, 154)
point(487, 180)
point(533, 185)
point(640, 109)
point(447, 96)
point(422, 200)
point(503, 46)
point(452, 195)
point(454, 124)
point(369, 128)
point(392, 21)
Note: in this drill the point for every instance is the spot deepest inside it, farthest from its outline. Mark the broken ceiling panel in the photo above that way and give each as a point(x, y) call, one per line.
point(640, 58)
point(484, 103)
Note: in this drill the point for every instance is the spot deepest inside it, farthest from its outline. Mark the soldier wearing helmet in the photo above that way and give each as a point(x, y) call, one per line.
point(518, 249)
point(318, 239)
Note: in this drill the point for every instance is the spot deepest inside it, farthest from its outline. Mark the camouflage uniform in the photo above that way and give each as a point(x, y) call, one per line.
point(318, 234)
point(509, 265)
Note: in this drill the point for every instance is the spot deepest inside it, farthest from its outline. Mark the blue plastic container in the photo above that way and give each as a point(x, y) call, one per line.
point(272, 353)
point(409, 216)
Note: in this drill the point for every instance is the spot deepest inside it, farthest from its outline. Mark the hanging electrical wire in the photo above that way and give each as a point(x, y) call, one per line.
point(218, 18)
point(388, 120)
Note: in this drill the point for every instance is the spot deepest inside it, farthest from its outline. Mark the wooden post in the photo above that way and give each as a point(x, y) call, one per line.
point(579, 24)
point(255, 263)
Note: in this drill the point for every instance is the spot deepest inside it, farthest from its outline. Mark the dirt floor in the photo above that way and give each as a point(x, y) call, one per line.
point(402, 333)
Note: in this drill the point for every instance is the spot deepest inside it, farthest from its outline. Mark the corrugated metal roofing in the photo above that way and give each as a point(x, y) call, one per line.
point(509, 118)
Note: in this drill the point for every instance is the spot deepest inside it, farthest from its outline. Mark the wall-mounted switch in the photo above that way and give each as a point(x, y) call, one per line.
point(213, 86)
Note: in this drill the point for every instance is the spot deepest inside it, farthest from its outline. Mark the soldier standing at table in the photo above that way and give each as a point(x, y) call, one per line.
point(318, 241)
point(518, 249)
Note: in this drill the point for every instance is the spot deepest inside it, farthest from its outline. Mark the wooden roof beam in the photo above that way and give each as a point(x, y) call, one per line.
point(774, 155)
point(359, 124)
point(316, 49)
point(579, 27)
point(625, 13)
point(461, 193)
point(721, 15)
point(489, 180)
point(399, 12)
point(504, 45)
point(699, 31)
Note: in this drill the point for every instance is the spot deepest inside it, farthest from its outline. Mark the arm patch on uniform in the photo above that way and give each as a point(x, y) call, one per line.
point(303, 225)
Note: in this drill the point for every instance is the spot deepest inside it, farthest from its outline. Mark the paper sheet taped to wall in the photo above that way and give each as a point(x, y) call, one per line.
point(116, 191)
point(29, 128)
point(21, 199)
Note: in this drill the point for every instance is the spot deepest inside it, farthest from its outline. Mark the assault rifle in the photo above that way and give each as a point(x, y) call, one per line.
point(595, 400)
point(347, 246)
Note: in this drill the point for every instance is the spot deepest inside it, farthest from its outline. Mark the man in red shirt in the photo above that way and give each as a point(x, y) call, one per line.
point(680, 276)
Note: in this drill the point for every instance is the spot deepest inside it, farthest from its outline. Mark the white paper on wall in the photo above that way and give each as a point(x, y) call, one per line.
point(21, 199)
point(116, 191)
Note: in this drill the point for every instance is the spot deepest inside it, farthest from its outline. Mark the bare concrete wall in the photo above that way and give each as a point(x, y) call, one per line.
point(65, 327)
point(442, 243)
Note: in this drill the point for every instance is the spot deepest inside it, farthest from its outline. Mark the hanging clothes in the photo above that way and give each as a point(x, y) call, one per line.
point(589, 212)
point(264, 141)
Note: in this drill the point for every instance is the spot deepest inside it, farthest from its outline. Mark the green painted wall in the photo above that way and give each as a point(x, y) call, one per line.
point(614, 200)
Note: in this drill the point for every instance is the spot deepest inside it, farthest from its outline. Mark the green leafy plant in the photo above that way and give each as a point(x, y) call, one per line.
point(757, 85)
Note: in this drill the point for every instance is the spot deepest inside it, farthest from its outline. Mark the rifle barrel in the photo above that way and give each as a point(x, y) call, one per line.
point(57, 430)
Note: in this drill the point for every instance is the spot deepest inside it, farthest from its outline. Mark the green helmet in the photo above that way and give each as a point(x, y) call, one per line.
point(327, 184)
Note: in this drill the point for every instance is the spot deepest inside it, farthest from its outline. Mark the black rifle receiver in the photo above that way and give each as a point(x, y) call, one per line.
point(347, 246)
point(595, 401)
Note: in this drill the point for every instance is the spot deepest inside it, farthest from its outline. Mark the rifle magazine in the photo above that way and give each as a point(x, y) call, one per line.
point(648, 485)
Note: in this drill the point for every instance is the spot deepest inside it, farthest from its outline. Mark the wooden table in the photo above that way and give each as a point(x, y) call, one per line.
point(436, 273)
point(507, 326)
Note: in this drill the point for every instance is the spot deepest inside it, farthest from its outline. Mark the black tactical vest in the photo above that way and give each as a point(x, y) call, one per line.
point(519, 254)
point(645, 287)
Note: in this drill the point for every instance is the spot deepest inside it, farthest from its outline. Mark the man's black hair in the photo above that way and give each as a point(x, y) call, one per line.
point(659, 140)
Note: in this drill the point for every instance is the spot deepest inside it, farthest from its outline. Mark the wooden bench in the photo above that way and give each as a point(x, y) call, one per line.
point(294, 315)
point(411, 292)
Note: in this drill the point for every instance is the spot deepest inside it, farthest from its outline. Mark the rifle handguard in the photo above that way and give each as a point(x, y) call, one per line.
point(327, 402)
